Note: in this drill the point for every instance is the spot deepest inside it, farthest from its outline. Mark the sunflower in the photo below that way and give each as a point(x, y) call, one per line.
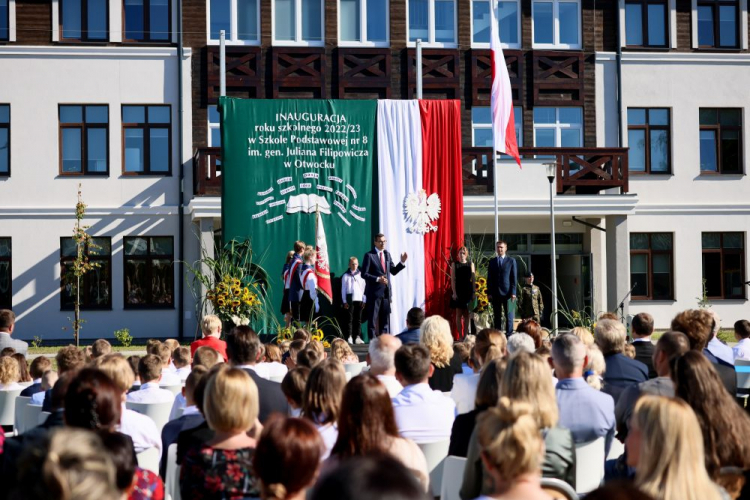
point(236, 303)
point(221, 302)
point(482, 281)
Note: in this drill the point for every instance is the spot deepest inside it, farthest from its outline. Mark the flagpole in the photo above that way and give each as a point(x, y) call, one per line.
point(495, 156)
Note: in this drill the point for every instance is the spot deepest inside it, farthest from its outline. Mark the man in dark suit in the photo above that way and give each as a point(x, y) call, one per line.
point(377, 266)
point(501, 286)
point(643, 327)
point(622, 372)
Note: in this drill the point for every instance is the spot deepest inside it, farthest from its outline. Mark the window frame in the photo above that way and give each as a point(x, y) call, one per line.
point(84, 23)
point(715, 4)
point(717, 129)
point(430, 42)
point(722, 251)
point(149, 265)
point(556, 45)
point(486, 45)
point(644, 23)
point(84, 127)
point(647, 128)
point(87, 276)
point(363, 27)
point(146, 127)
point(9, 260)
point(147, 22)
point(6, 126)
point(650, 253)
point(233, 40)
point(298, 42)
point(557, 126)
point(488, 126)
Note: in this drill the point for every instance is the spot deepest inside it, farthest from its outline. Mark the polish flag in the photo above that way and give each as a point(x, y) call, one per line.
point(322, 267)
point(501, 97)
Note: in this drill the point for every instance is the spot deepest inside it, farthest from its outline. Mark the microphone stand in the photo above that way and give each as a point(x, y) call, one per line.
point(621, 307)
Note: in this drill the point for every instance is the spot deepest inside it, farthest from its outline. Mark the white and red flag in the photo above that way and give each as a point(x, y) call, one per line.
point(322, 266)
point(501, 98)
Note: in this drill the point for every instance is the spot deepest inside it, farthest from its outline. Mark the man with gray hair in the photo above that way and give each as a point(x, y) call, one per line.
point(586, 412)
point(622, 372)
point(520, 342)
point(380, 357)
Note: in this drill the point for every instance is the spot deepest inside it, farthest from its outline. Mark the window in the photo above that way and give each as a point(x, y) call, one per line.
point(718, 23)
point(649, 140)
point(481, 126)
point(84, 20)
point(721, 140)
point(147, 137)
point(298, 22)
point(4, 20)
point(558, 127)
point(240, 20)
point(84, 139)
point(508, 19)
point(95, 284)
point(149, 278)
point(724, 265)
point(432, 21)
point(646, 23)
point(363, 22)
point(147, 20)
point(556, 24)
point(214, 127)
point(6, 274)
point(651, 266)
point(4, 139)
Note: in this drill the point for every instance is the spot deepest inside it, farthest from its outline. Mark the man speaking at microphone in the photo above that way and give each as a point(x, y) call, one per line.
point(377, 267)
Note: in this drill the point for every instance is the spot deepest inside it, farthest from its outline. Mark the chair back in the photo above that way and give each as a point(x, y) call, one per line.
point(26, 384)
point(616, 449)
point(42, 414)
point(355, 368)
point(172, 477)
point(32, 416)
point(742, 370)
point(589, 465)
point(453, 476)
point(557, 489)
point(435, 454)
point(8, 406)
point(149, 459)
point(158, 412)
point(174, 389)
point(20, 422)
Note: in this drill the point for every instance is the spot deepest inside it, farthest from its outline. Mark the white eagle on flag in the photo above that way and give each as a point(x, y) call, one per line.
point(421, 210)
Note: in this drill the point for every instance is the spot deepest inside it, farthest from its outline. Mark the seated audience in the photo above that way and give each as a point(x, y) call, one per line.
point(715, 346)
point(24, 377)
point(595, 368)
point(436, 337)
point(586, 412)
point(487, 395)
point(173, 345)
point(724, 424)
point(367, 426)
point(100, 348)
point(628, 351)
point(414, 320)
point(741, 335)
point(202, 433)
point(133, 482)
point(621, 372)
point(489, 345)
point(308, 358)
point(642, 328)
point(341, 350)
point(375, 477)
point(68, 358)
point(9, 374)
point(533, 330)
point(7, 351)
point(133, 362)
point(422, 415)
point(39, 366)
point(512, 451)
point(584, 334)
point(222, 468)
point(317, 346)
point(321, 401)
point(380, 356)
point(93, 401)
point(464, 352)
point(211, 329)
point(520, 342)
point(618, 490)
point(668, 460)
point(150, 371)
point(243, 349)
point(272, 367)
point(295, 347)
point(287, 458)
point(293, 387)
point(7, 328)
point(181, 361)
point(168, 377)
point(206, 356)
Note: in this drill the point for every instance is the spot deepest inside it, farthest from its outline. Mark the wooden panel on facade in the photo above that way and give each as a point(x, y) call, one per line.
point(298, 72)
point(440, 73)
point(558, 78)
point(481, 75)
point(363, 72)
point(476, 164)
point(243, 72)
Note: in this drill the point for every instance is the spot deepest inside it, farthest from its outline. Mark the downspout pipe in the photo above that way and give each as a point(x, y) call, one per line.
point(181, 187)
point(619, 76)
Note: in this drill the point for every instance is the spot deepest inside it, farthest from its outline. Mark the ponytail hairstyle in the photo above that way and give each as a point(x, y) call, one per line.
point(511, 443)
point(490, 344)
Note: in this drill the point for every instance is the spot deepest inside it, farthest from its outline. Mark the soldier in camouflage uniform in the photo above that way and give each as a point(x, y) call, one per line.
point(530, 304)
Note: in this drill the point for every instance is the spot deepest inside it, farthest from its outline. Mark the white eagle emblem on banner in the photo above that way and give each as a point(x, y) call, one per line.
point(420, 211)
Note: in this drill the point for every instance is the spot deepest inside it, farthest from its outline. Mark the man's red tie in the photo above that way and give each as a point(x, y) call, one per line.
point(382, 261)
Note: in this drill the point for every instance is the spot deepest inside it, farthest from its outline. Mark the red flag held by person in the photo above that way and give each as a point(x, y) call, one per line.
point(322, 267)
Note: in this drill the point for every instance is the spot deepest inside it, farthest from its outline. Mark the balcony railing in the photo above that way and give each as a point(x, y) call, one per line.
point(579, 170)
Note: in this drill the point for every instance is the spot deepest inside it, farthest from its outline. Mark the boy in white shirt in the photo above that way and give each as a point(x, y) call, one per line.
point(168, 376)
point(150, 371)
point(181, 360)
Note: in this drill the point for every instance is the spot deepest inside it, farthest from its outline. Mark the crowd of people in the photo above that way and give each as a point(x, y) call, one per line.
point(286, 421)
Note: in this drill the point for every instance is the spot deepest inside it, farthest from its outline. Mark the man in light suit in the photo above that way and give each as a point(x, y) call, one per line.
point(7, 325)
point(377, 266)
point(501, 286)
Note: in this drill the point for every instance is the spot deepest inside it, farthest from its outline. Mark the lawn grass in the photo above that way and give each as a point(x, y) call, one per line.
point(726, 336)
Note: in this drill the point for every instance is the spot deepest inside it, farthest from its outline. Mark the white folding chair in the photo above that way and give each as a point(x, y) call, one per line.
point(435, 454)
point(20, 423)
point(453, 476)
point(172, 478)
point(174, 389)
point(42, 414)
point(355, 368)
point(589, 465)
point(742, 370)
point(616, 449)
point(558, 490)
point(26, 384)
point(149, 459)
point(33, 412)
point(158, 412)
point(8, 407)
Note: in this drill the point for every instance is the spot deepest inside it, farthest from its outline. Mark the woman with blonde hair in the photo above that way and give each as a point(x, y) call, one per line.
point(584, 334)
point(340, 350)
point(668, 459)
point(594, 372)
point(436, 337)
point(490, 344)
point(321, 401)
point(512, 451)
point(9, 374)
point(462, 291)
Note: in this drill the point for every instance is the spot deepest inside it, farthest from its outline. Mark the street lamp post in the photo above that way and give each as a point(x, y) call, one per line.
point(551, 173)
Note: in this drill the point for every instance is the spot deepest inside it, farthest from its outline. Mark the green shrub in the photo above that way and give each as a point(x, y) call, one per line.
point(123, 337)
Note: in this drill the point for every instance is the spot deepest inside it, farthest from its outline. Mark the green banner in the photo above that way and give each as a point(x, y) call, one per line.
point(281, 159)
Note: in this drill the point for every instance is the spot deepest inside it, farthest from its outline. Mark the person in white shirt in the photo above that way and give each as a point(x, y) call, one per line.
point(150, 371)
point(380, 357)
point(9, 374)
point(422, 415)
point(742, 334)
point(490, 344)
point(715, 346)
point(309, 305)
point(353, 298)
point(168, 376)
point(321, 401)
point(181, 361)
